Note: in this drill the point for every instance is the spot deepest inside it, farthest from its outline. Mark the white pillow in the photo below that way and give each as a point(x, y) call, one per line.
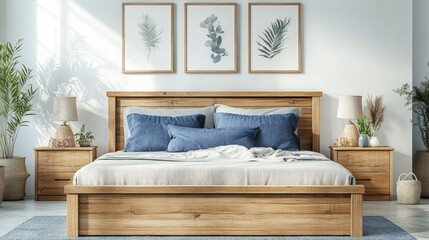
point(220, 108)
point(172, 112)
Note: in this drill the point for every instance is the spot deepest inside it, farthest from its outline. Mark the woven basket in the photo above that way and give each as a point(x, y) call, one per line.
point(408, 189)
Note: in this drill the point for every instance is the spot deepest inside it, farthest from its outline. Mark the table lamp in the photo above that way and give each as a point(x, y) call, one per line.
point(350, 107)
point(65, 110)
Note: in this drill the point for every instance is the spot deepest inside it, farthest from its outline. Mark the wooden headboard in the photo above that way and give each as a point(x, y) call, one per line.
point(309, 102)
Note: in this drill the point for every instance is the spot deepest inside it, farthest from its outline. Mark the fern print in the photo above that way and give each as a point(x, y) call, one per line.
point(273, 38)
point(214, 33)
point(150, 33)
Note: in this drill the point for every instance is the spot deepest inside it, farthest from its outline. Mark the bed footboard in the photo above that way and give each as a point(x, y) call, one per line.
point(214, 210)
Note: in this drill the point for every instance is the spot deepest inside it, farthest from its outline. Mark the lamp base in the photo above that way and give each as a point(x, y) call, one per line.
point(351, 133)
point(65, 134)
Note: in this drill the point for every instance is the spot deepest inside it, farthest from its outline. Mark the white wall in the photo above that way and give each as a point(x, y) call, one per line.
point(349, 47)
point(2, 20)
point(420, 54)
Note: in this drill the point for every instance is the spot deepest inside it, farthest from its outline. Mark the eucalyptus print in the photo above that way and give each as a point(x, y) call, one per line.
point(214, 33)
point(273, 38)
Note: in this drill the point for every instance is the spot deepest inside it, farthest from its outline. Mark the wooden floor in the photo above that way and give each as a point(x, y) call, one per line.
point(414, 218)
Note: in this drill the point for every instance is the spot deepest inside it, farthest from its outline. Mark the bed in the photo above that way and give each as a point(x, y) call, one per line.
point(215, 209)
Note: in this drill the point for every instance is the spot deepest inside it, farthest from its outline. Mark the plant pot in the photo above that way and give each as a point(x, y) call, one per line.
point(421, 169)
point(363, 140)
point(374, 142)
point(2, 183)
point(84, 143)
point(15, 178)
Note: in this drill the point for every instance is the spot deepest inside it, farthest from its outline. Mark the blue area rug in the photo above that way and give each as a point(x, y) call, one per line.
point(54, 227)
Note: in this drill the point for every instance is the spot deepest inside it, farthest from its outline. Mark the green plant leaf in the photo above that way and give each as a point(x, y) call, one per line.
point(272, 38)
point(150, 33)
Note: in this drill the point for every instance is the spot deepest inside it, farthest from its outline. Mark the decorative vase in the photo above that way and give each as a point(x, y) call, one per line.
point(15, 178)
point(2, 183)
point(421, 169)
point(374, 142)
point(83, 143)
point(363, 140)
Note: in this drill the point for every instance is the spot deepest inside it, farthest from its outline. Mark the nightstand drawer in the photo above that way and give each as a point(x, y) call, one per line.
point(365, 161)
point(375, 183)
point(50, 161)
point(53, 183)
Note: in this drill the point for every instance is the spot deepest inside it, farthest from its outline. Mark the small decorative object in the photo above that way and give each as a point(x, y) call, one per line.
point(408, 189)
point(274, 38)
point(211, 37)
point(2, 183)
point(65, 110)
point(376, 116)
point(84, 138)
point(58, 143)
point(374, 142)
point(147, 37)
point(364, 130)
point(16, 96)
point(363, 140)
point(343, 142)
point(350, 107)
point(416, 98)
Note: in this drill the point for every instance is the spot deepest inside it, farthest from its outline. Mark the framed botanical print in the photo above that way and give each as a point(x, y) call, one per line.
point(210, 37)
point(147, 38)
point(274, 38)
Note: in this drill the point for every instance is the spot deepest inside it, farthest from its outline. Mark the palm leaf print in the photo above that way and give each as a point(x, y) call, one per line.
point(273, 38)
point(150, 33)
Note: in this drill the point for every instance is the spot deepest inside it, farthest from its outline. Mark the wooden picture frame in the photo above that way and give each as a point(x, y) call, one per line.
point(274, 38)
point(147, 37)
point(211, 30)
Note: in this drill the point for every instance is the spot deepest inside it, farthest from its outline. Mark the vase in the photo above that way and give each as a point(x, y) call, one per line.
point(2, 183)
point(374, 142)
point(421, 169)
point(83, 143)
point(15, 178)
point(363, 140)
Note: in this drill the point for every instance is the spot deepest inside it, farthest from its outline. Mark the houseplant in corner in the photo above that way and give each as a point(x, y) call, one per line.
point(16, 96)
point(418, 99)
point(84, 138)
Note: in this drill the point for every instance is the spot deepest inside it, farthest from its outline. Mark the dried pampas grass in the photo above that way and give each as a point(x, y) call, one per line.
point(376, 111)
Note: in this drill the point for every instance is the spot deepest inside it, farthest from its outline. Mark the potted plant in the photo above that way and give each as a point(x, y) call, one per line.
point(365, 132)
point(417, 98)
point(376, 117)
point(84, 138)
point(16, 97)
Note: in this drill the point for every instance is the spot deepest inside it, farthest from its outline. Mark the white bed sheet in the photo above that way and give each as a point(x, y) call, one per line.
point(224, 165)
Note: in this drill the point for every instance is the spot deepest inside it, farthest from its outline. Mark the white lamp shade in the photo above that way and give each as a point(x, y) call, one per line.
point(65, 109)
point(350, 107)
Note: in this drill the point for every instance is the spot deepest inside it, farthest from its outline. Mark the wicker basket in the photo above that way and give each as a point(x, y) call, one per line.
point(408, 189)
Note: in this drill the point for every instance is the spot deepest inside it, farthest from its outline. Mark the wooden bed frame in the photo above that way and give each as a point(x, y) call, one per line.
point(215, 210)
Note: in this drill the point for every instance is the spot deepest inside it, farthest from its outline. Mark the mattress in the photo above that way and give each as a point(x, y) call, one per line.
point(224, 165)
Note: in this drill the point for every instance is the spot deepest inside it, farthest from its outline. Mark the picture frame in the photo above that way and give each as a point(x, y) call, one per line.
point(274, 37)
point(211, 38)
point(147, 37)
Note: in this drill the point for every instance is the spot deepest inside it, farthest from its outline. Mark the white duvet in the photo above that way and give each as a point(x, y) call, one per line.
point(224, 165)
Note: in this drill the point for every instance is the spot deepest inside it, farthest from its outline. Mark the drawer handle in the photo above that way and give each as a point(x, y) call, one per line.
point(62, 179)
point(364, 179)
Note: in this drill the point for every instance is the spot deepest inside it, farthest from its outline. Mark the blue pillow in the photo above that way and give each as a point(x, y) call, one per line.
point(276, 131)
point(185, 139)
point(149, 133)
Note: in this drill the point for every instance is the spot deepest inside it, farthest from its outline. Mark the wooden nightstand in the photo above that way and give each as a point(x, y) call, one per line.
point(371, 166)
point(55, 167)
